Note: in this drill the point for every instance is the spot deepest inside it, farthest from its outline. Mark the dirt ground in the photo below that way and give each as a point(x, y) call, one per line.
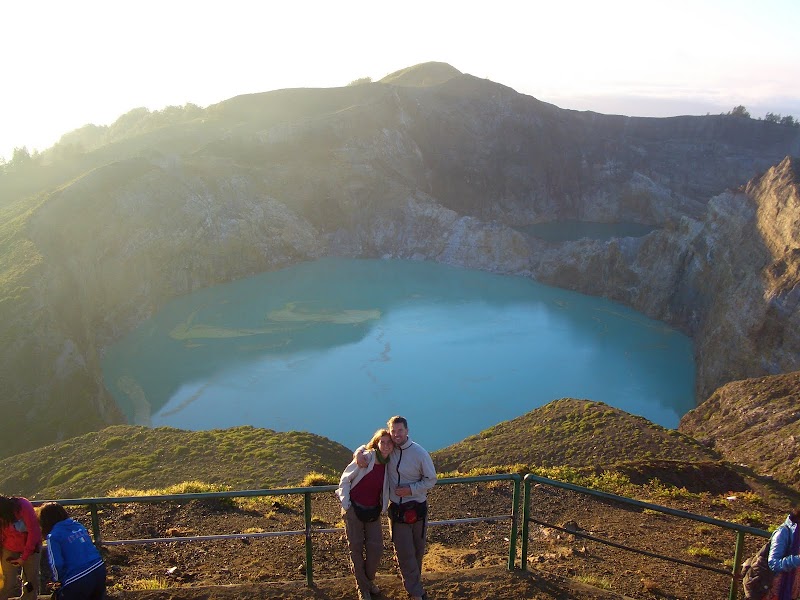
point(466, 560)
point(487, 582)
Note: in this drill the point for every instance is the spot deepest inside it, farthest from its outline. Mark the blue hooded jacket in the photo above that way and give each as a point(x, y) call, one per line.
point(71, 552)
point(780, 557)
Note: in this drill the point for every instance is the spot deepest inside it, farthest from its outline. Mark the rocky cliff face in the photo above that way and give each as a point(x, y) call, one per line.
point(729, 279)
point(444, 172)
point(745, 266)
point(755, 422)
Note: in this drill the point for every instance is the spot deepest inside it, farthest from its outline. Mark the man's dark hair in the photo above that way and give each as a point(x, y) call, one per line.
point(397, 419)
point(50, 514)
point(794, 515)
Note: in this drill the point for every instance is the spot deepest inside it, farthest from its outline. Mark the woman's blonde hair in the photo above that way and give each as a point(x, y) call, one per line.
point(373, 443)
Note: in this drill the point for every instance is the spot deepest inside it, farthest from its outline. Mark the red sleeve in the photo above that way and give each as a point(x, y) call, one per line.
point(34, 538)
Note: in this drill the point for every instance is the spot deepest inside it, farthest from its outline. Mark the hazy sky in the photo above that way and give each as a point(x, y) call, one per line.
point(66, 64)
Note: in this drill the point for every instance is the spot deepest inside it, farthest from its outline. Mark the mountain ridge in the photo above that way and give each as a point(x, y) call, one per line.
point(380, 170)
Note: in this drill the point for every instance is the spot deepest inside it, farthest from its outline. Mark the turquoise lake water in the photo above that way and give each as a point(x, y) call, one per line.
point(564, 231)
point(337, 346)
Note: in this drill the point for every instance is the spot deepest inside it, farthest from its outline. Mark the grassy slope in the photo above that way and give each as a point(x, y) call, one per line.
point(142, 458)
point(567, 434)
point(571, 432)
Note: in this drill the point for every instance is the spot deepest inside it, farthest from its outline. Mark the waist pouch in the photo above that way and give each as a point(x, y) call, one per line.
point(367, 514)
point(408, 512)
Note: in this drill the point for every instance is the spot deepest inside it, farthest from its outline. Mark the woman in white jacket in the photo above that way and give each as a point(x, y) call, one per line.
point(361, 493)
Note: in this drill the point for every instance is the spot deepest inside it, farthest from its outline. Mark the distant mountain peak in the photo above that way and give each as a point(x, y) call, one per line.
point(422, 75)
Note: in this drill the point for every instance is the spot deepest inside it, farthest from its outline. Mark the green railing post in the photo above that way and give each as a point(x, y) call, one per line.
point(737, 563)
point(526, 513)
point(95, 524)
point(309, 552)
point(512, 550)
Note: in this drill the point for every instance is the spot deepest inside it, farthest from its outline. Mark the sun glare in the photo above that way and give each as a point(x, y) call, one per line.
point(91, 61)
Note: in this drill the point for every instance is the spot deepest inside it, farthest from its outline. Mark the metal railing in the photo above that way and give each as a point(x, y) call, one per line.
point(740, 530)
point(309, 531)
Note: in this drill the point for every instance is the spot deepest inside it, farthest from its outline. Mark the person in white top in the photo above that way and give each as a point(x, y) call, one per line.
point(361, 493)
point(410, 474)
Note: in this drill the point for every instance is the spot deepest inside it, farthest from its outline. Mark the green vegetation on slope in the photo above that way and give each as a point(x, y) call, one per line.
point(138, 457)
point(577, 441)
point(571, 432)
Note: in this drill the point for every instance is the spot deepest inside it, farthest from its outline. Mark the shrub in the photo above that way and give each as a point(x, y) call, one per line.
point(658, 489)
point(180, 450)
point(704, 529)
point(594, 580)
point(114, 441)
point(254, 530)
point(186, 487)
point(751, 497)
point(156, 583)
point(700, 551)
point(751, 518)
point(64, 474)
point(195, 487)
point(315, 479)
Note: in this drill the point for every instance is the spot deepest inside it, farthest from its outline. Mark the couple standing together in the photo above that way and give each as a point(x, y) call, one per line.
point(390, 474)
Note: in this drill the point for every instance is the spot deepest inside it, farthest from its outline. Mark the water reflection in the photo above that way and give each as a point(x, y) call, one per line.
point(336, 346)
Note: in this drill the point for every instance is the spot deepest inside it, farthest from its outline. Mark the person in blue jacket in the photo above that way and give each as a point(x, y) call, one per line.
point(784, 558)
point(79, 571)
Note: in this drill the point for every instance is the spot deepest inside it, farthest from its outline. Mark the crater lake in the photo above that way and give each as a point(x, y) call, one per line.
point(337, 346)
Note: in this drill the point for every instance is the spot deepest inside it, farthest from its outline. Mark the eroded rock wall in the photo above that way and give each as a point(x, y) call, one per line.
point(730, 279)
point(754, 422)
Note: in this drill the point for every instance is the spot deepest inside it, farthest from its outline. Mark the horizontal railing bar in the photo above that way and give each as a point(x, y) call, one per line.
point(656, 507)
point(635, 550)
point(477, 478)
point(196, 496)
point(489, 520)
point(202, 538)
point(261, 493)
point(250, 493)
point(265, 534)
point(329, 530)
